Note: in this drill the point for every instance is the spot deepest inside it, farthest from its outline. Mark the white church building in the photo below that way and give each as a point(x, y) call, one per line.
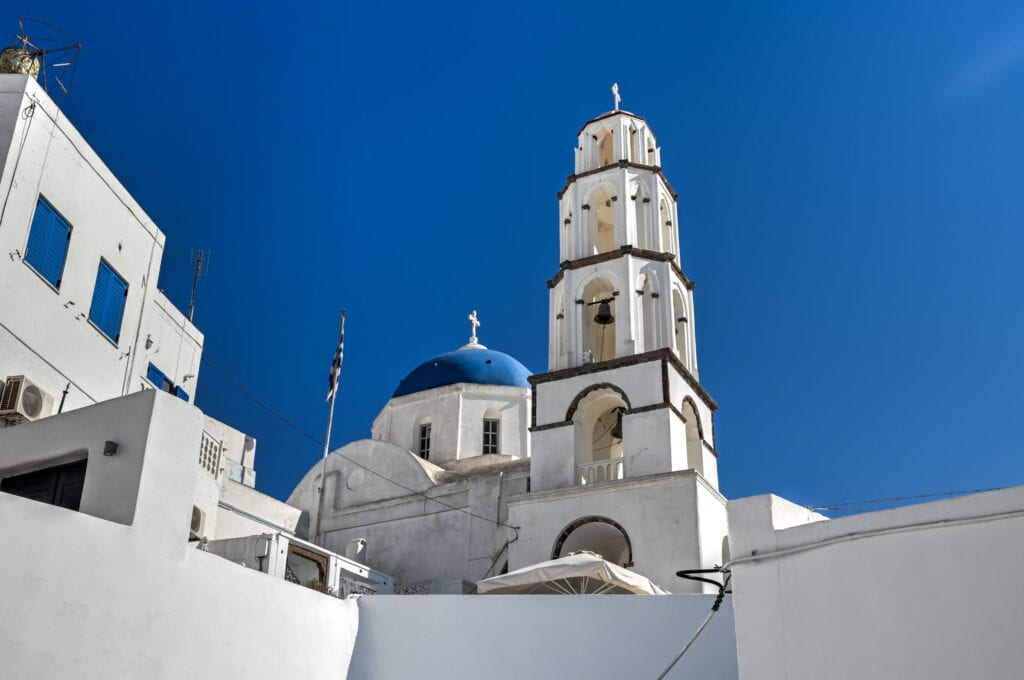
point(135, 544)
point(475, 466)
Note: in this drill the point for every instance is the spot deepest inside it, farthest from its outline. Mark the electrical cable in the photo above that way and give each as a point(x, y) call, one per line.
point(847, 504)
point(320, 442)
point(690, 574)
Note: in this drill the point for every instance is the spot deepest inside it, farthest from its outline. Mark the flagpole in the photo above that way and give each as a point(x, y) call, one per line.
point(327, 439)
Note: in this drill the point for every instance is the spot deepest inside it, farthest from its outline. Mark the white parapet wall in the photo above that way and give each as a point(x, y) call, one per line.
point(501, 637)
point(114, 590)
point(924, 592)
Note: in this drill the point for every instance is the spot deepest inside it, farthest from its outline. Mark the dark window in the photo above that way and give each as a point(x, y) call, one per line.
point(425, 441)
point(108, 301)
point(61, 485)
point(491, 435)
point(48, 240)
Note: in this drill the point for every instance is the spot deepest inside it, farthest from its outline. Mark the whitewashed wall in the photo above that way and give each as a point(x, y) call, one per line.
point(44, 332)
point(115, 591)
point(924, 592)
point(674, 521)
point(540, 637)
point(456, 414)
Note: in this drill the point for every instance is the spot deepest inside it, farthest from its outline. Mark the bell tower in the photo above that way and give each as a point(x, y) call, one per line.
point(621, 397)
point(620, 289)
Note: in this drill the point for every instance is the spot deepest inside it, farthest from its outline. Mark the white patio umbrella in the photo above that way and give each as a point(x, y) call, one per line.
point(579, 573)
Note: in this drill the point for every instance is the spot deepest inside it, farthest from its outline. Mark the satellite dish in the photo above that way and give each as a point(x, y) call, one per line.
point(48, 51)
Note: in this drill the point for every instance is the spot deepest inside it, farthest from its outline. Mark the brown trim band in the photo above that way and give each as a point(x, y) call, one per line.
point(620, 164)
point(653, 255)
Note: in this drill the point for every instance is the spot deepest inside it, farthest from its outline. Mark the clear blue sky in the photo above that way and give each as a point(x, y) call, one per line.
point(851, 207)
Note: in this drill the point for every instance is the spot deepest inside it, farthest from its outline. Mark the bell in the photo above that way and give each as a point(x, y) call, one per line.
point(604, 314)
point(617, 428)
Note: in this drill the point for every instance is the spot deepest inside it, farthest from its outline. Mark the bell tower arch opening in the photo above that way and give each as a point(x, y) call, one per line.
point(604, 145)
point(694, 443)
point(601, 231)
point(599, 535)
point(640, 205)
point(665, 219)
point(597, 420)
point(682, 330)
point(599, 322)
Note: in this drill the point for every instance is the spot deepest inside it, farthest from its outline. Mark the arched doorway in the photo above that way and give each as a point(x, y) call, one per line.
point(600, 535)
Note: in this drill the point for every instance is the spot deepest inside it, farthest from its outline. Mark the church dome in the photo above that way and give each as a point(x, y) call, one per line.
point(467, 365)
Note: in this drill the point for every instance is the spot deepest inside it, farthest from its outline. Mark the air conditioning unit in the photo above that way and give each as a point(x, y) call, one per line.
point(24, 400)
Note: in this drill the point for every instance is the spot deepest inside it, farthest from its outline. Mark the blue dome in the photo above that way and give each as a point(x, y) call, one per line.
point(480, 366)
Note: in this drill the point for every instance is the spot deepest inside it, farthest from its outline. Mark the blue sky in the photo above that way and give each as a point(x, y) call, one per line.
point(851, 207)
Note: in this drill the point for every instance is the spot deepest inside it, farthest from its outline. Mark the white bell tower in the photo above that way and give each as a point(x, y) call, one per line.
point(621, 396)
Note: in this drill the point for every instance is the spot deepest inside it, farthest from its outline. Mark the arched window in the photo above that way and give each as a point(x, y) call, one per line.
point(601, 221)
point(649, 316)
point(598, 338)
point(598, 434)
point(422, 435)
point(492, 431)
point(665, 218)
point(634, 144)
point(682, 329)
point(694, 445)
point(605, 148)
point(640, 206)
point(652, 153)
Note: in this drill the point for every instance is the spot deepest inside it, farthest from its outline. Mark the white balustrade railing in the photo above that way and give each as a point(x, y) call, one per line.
point(599, 471)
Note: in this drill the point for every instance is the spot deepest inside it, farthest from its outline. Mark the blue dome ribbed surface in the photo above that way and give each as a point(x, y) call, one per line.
point(480, 366)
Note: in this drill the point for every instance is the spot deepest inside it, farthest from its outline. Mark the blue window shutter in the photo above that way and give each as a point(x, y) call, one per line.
point(155, 376)
point(56, 249)
point(181, 394)
point(48, 243)
point(108, 299)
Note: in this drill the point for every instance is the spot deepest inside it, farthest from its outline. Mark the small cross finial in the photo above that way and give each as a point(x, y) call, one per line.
point(615, 93)
point(474, 322)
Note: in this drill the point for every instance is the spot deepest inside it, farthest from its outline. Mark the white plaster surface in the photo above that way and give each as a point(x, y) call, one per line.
point(45, 333)
point(673, 521)
point(116, 593)
point(921, 592)
point(540, 636)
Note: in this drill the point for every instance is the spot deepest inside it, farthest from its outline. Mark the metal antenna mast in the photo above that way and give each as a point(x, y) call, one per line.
point(195, 282)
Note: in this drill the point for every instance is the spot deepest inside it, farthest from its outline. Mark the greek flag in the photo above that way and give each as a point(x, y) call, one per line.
point(336, 364)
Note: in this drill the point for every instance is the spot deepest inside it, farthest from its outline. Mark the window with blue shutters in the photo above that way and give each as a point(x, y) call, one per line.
point(162, 382)
point(108, 299)
point(48, 239)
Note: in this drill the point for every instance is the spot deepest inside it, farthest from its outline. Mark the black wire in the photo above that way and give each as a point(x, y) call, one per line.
point(847, 504)
point(321, 443)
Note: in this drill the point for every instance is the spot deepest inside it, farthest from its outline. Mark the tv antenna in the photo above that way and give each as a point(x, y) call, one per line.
point(195, 281)
point(41, 48)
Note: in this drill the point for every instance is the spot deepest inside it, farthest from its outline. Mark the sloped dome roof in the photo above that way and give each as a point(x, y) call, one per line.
point(467, 365)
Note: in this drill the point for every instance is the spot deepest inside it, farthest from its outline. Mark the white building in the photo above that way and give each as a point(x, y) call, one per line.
point(475, 466)
point(80, 312)
point(79, 305)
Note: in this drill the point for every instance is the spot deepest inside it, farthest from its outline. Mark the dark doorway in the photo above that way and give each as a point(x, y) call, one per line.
point(60, 485)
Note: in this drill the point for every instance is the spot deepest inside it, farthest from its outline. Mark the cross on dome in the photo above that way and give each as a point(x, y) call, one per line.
point(615, 93)
point(474, 323)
